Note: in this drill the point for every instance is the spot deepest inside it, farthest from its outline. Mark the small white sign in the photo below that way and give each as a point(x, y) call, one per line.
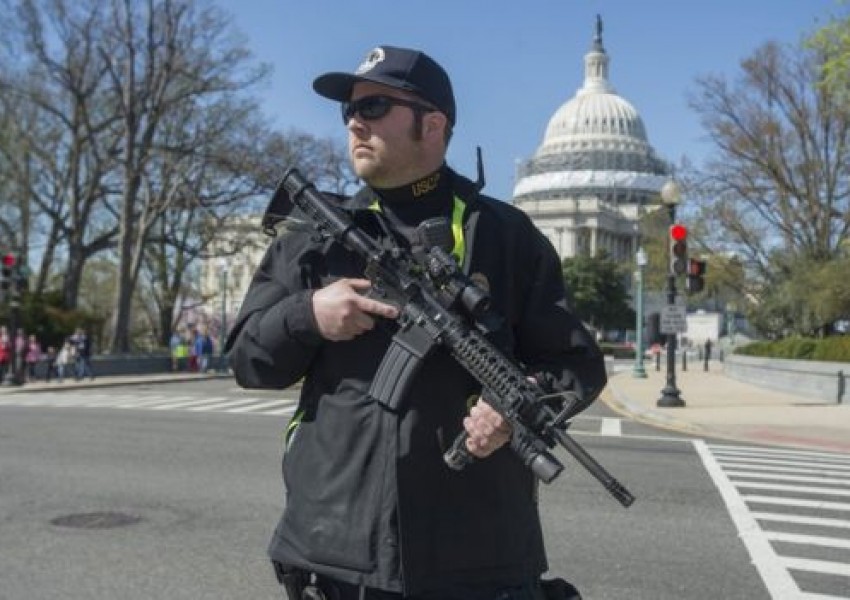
point(674, 319)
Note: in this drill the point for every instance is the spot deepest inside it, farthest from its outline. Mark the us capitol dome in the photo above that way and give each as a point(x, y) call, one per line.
point(595, 172)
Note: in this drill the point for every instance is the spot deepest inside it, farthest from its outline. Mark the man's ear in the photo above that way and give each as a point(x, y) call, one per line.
point(434, 124)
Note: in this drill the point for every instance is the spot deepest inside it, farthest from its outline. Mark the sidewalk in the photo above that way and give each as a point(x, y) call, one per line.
point(717, 406)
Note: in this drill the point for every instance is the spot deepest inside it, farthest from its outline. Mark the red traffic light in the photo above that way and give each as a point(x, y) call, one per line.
point(9, 260)
point(678, 232)
point(696, 267)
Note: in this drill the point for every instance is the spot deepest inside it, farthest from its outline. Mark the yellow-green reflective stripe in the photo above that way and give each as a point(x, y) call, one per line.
point(459, 208)
point(293, 425)
point(459, 251)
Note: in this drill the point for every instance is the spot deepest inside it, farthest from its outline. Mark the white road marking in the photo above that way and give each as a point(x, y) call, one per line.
point(612, 427)
point(774, 573)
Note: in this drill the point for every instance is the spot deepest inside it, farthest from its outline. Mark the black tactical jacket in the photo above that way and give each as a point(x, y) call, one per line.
point(369, 499)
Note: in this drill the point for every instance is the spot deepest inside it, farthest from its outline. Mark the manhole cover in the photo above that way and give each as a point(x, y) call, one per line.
point(96, 520)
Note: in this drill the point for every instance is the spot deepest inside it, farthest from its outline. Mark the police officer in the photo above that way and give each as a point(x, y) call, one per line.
point(372, 510)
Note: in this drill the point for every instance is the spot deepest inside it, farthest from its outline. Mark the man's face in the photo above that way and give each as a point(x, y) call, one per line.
point(384, 152)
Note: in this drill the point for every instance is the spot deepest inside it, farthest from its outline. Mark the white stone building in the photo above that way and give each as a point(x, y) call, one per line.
point(225, 277)
point(595, 172)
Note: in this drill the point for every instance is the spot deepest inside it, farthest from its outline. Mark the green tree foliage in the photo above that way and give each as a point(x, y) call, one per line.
point(832, 43)
point(598, 292)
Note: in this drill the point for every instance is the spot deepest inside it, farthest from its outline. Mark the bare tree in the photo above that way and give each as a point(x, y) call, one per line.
point(162, 56)
point(59, 149)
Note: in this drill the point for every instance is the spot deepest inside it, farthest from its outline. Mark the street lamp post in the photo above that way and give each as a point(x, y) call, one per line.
point(670, 395)
point(638, 370)
point(222, 266)
point(14, 375)
point(730, 324)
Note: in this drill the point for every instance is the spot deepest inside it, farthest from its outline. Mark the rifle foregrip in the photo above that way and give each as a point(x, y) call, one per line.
point(458, 456)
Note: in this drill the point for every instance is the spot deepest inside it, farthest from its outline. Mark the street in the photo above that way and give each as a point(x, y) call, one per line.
point(172, 491)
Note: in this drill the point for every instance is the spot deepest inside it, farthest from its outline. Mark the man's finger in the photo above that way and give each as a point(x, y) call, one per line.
point(370, 305)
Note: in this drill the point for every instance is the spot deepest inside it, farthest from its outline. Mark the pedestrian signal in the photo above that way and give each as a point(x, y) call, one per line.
point(678, 250)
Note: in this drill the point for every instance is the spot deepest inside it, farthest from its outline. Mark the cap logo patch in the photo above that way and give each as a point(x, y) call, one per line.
point(372, 59)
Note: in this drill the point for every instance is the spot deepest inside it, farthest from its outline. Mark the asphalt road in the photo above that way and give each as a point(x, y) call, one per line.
point(98, 503)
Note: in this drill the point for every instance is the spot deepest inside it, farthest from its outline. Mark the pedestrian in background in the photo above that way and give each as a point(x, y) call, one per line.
point(18, 356)
point(191, 337)
point(65, 360)
point(174, 347)
point(50, 364)
point(31, 357)
point(203, 350)
point(5, 351)
point(82, 354)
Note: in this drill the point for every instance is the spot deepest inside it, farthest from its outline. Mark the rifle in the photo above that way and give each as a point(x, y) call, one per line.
point(429, 290)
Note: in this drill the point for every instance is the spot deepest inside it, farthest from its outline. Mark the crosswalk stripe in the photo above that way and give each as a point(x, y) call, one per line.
point(791, 488)
point(778, 469)
point(802, 520)
point(796, 502)
point(184, 404)
point(814, 596)
point(765, 451)
point(816, 566)
point(793, 463)
point(259, 407)
point(151, 402)
point(283, 411)
point(220, 403)
point(248, 405)
point(611, 427)
point(812, 540)
point(782, 477)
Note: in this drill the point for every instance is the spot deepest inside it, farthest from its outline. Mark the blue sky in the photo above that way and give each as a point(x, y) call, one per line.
point(513, 64)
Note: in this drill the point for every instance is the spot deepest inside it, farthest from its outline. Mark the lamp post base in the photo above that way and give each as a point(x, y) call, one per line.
point(638, 372)
point(670, 397)
point(10, 380)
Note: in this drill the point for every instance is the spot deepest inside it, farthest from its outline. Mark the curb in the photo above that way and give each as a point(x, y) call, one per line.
point(114, 381)
point(621, 404)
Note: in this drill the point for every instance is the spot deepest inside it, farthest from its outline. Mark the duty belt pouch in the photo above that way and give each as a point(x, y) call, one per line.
point(295, 582)
point(303, 585)
point(559, 589)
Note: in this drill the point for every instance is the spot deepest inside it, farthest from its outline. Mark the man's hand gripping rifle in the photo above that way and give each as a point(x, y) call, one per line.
point(428, 292)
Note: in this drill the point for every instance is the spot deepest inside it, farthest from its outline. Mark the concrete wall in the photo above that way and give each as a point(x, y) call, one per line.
point(129, 364)
point(827, 381)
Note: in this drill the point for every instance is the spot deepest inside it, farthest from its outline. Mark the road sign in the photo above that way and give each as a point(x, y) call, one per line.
point(674, 319)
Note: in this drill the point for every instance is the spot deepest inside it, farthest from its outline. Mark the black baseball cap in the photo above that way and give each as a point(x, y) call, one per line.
point(400, 68)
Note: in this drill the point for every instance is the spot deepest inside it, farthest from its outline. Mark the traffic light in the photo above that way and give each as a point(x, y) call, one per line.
point(696, 271)
point(678, 250)
point(7, 274)
point(22, 279)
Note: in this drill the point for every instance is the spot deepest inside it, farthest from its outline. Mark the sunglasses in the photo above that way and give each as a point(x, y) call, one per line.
point(372, 108)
